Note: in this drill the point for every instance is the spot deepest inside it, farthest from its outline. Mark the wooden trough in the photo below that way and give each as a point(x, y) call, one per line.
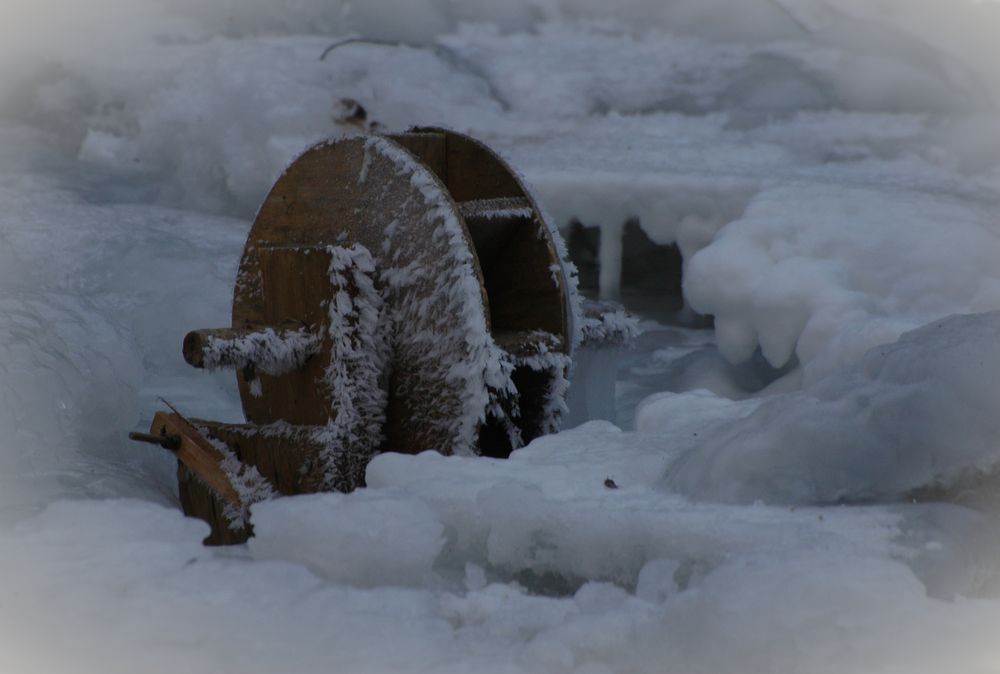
point(396, 293)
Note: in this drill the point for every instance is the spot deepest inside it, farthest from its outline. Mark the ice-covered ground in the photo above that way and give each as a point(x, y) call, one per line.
point(830, 170)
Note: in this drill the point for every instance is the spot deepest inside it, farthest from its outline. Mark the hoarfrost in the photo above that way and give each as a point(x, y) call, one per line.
point(608, 324)
point(470, 359)
point(541, 353)
point(250, 486)
point(358, 372)
point(269, 351)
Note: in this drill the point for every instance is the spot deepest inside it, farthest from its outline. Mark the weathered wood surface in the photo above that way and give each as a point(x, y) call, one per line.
point(197, 454)
point(515, 251)
point(199, 500)
point(284, 282)
point(289, 457)
point(429, 147)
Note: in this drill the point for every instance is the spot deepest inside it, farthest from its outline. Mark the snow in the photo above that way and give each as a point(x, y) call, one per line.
point(845, 269)
point(830, 171)
point(376, 539)
point(910, 414)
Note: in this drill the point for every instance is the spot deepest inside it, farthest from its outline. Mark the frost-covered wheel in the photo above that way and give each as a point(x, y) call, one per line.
point(396, 293)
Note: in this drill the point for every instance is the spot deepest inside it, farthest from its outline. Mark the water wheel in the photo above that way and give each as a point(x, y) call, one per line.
point(396, 293)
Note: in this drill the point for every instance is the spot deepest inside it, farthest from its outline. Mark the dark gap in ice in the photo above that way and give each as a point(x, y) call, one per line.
point(547, 583)
point(583, 244)
point(652, 274)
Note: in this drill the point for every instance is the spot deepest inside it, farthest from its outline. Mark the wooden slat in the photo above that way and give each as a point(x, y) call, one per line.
point(475, 173)
point(522, 344)
point(430, 148)
point(490, 208)
point(290, 461)
point(517, 270)
point(197, 454)
point(202, 502)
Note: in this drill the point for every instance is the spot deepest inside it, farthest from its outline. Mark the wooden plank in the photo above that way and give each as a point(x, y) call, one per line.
point(475, 173)
point(517, 272)
point(201, 501)
point(430, 148)
point(291, 460)
point(197, 453)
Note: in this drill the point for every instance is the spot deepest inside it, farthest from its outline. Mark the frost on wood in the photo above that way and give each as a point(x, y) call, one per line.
point(607, 324)
point(267, 350)
point(442, 333)
point(356, 377)
point(566, 269)
point(249, 484)
point(496, 209)
point(541, 354)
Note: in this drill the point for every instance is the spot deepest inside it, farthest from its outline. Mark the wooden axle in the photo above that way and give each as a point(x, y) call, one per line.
point(270, 349)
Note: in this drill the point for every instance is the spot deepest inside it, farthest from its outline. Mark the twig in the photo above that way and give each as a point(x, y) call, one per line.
point(442, 51)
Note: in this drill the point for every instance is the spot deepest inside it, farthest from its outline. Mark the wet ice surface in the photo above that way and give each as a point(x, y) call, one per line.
point(829, 173)
point(668, 359)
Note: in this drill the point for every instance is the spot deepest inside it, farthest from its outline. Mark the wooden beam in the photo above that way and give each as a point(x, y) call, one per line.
point(290, 460)
point(197, 453)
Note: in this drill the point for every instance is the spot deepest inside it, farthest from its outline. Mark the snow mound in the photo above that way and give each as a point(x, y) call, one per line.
point(370, 540)
point(914, 413)
point(826, 272)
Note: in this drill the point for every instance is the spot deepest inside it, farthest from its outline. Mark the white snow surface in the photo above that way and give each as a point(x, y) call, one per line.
point(830, 170)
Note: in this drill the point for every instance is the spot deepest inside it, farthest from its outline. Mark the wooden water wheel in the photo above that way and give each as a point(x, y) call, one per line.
point(396, 293)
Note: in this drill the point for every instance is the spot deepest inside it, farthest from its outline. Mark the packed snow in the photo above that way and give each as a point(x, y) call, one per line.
point(808, 487)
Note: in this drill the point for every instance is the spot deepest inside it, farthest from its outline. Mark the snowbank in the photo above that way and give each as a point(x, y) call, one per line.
point(826, 272)
point(447, 572)
point(914, 413)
